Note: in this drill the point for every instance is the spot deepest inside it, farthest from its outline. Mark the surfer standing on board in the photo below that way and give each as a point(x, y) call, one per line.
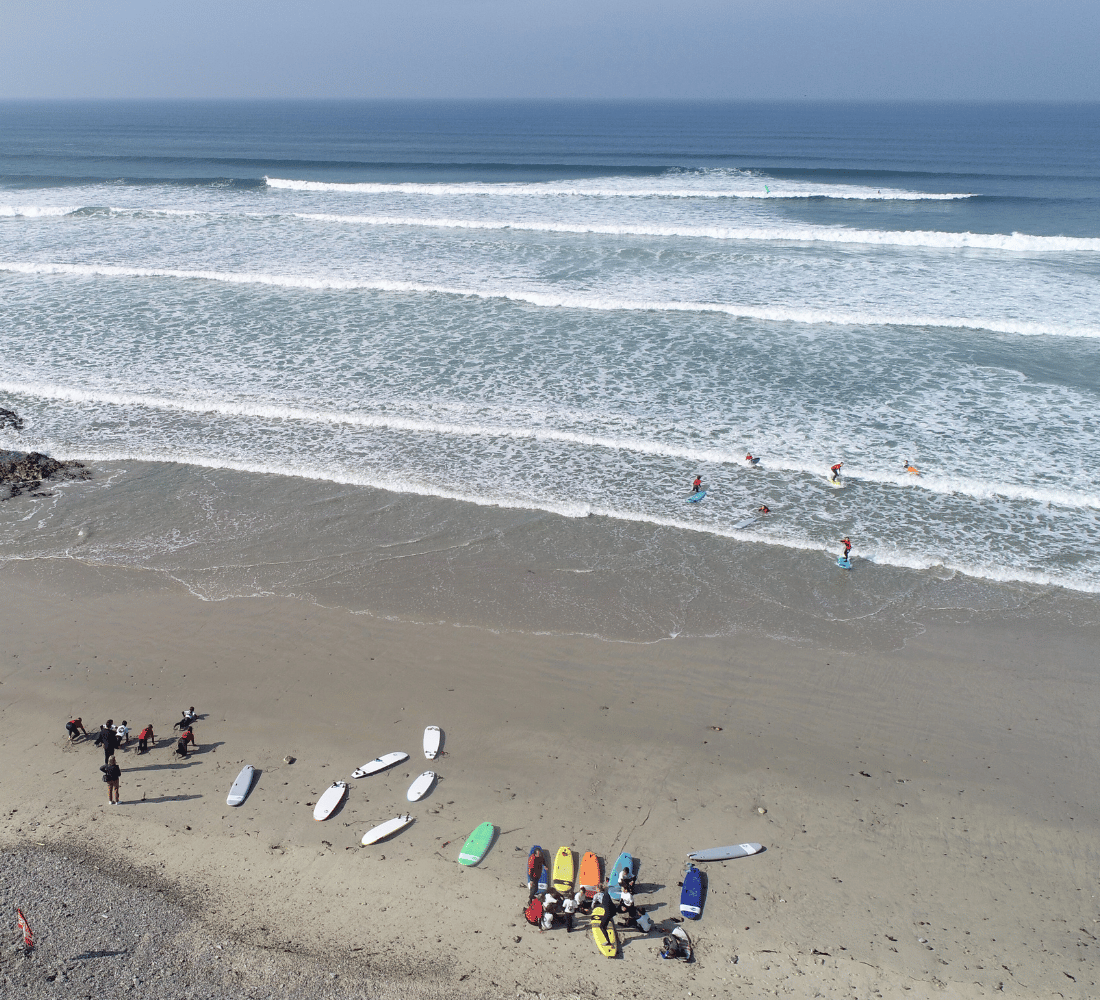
point(835, 470)
point(847, 547)
point(696, 484)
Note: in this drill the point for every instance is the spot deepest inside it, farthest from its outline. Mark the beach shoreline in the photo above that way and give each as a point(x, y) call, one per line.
point(939, 791)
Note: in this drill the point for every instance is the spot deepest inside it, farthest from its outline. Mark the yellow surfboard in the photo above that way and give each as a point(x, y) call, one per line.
point(562, 877)
point(607, 942)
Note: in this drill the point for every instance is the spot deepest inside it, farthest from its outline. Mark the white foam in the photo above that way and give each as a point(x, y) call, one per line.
point(872, 554)
point(947, 485)
point(701, 184)
point(36, 211)
point(569, 300)
point(1017, 242)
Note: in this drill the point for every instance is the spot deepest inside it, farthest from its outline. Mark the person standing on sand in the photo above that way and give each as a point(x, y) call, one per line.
point(145, 737)
point(112, 774)
point(568, 908)
point(108, 739)
point(75, 725)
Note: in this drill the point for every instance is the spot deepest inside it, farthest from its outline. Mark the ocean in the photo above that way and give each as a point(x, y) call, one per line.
point(461, 360)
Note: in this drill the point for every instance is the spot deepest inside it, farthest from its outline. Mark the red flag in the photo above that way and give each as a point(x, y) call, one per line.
point(28, 938)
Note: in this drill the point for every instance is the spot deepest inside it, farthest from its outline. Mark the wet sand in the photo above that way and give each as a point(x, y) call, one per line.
point(929, 814)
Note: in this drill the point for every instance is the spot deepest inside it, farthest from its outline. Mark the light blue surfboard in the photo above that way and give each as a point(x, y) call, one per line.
point(843, 563)
point(696, 497)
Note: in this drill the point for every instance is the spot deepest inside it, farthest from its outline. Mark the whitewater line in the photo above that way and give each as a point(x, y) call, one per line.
point(944, 485)
point(753, 187)
point(871, 553)
point(551, 300)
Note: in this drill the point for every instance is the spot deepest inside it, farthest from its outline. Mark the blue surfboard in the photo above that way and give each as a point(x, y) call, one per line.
point(843, 563)
point(696, 497)
point(625, 860)
point(691, 896)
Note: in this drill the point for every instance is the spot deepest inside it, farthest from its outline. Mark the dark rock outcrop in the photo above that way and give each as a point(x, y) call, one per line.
point(24, 473)
point(9, 418)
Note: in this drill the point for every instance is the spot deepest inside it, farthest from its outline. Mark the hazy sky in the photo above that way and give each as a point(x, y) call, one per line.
point(551, 48)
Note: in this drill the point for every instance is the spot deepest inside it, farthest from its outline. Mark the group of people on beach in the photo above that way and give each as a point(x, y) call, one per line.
point(113, 738)
point(547, 909)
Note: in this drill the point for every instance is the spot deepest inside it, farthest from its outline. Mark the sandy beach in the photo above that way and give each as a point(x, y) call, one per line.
point(928, 813)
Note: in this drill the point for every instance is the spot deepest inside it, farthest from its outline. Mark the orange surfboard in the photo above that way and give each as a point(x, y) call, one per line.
point(589, 874)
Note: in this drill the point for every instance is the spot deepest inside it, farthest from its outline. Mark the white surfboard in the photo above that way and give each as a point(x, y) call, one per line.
point(379, 764)
point(432, 740)
point(419, 788)
point(328, 802)
point(384, 830)
point(725, 853)
point(745, 523)
point(240, 788)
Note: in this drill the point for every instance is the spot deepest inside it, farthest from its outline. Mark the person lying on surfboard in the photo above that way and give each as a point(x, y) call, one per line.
point(696, 484)
point(912, 469)
point(835, 470)
point(847, 546)
point(750, 459)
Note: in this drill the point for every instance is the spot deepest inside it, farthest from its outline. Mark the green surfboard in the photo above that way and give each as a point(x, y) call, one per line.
point(477, 844)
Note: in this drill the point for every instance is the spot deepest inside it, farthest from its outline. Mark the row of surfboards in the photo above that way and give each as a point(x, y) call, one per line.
point(563, 875)
point(334, 795)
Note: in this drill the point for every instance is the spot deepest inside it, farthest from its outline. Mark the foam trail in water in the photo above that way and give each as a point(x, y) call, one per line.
point(718, 456)
point(601, 303)
point(667, 186)
point(883, 556)
point(780, 234)
point(34, 211)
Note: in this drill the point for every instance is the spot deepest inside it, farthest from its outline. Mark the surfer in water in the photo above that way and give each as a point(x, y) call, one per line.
point(847, 547)
point(764, 509)
point(912, 469)
point(697, 484)
point(835, 470)
point(751, 460)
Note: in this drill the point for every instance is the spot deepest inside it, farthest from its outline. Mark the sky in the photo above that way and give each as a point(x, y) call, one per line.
point(781, 49)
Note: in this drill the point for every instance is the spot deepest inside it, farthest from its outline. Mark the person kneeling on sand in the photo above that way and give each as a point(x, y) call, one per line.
point(112, 773)
point(145, 737)
point(181, 747)
point(123, 734)
point(73, 726)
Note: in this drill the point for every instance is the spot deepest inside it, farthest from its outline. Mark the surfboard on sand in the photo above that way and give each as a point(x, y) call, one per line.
point(433, 738)
point(691, 895)
point(419, 788)
point(625, 860)
point(562, 879)
point(843, 563)
point(589, 873)
point(379, 764)
point(696, 497)
point(477, 844)
point(240, 788)
point(607, 941)
point(726, 853)
point(387, 829)
point(544, 878)
point(331, 798)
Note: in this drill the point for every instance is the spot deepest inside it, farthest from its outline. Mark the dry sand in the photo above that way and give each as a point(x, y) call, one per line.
point(930, 815)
